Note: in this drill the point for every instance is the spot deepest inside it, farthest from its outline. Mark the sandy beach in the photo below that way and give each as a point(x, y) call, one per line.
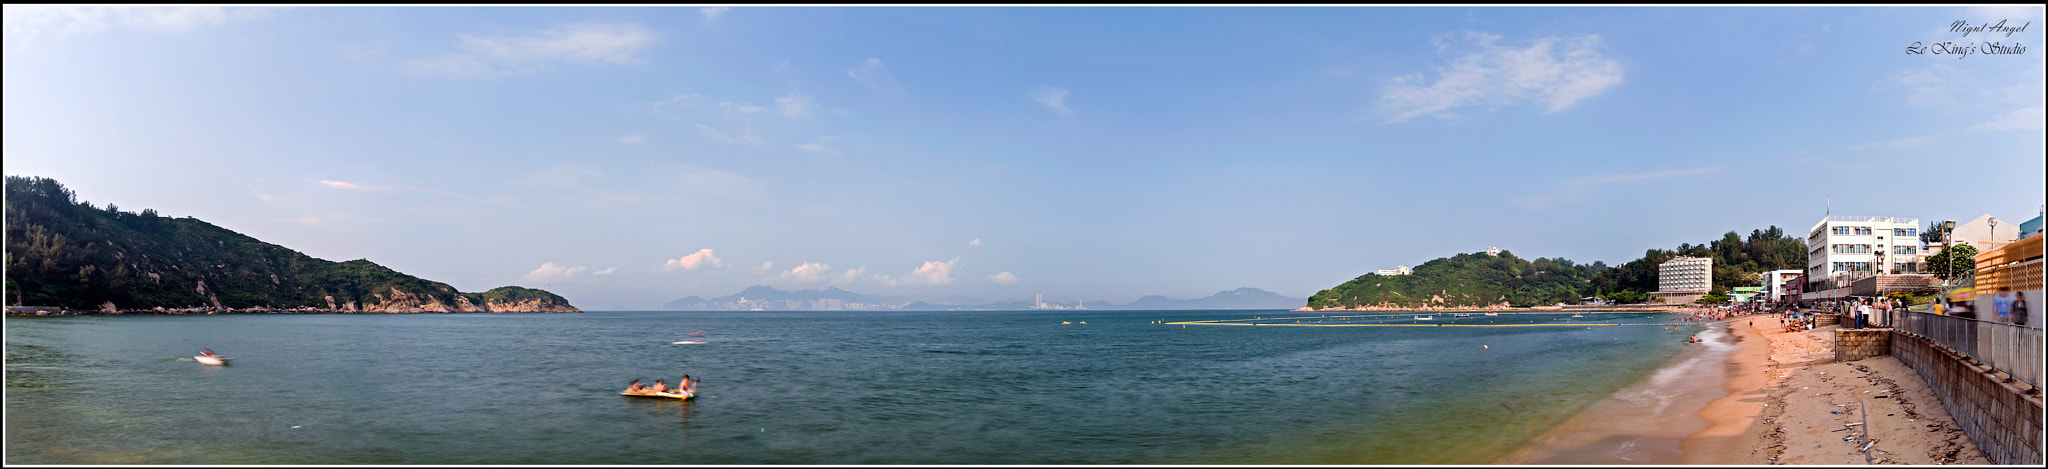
point(1756, 395)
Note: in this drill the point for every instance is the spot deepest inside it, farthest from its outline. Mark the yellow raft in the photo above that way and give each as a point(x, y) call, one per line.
point(685, 395)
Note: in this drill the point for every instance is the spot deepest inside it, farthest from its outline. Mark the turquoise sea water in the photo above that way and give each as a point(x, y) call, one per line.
point(804, 388)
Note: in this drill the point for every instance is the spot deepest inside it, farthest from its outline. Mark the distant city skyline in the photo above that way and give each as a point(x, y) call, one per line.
point(632, 156)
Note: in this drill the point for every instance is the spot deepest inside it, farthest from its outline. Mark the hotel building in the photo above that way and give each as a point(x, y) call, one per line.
point(1684, 279)
point(1842, 249)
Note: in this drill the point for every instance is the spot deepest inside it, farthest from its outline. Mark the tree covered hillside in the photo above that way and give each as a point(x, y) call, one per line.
point(64, 252)
point(1738, 262)
point(1466, 280)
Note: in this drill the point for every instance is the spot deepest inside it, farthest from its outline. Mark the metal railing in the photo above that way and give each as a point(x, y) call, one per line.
point(2015, 350)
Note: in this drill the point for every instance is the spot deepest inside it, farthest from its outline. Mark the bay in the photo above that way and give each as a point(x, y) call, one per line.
point(981, 387)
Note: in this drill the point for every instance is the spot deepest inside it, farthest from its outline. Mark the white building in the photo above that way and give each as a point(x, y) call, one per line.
point(1397, 270)
point(1685, 275)
point(1493, 251)
point(1774, 283)
point(1985, 233)
point(1845, 248)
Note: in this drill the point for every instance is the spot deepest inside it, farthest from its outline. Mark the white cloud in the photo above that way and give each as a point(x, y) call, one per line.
point(632, 139)
point(765, 267)
point(780, 66)
point(551, 272)
point(502, 56)
point(339, 184)
point(2020, 119)
point(872, 74)
point(976, 242)
point(797, 105)
point(849, 275)
point(675, 101)
point(809, 272)
point(740, 108)
point(931, 273)
point(712, 14)
point(1492, 74)
point(726, 184)
point(1051, 97)
point(606, 271)
point(702, 259)
point(1004, 278)
point(34, 20)
point(309, 220)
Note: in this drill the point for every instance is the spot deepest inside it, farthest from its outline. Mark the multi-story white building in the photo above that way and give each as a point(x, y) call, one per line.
point(1845, 248)
point(1685, 275)
point(1397, 270)
point(1774, 283)
point(1493, 251)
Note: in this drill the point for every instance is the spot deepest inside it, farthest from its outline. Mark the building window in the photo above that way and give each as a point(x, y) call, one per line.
point(1905, 250)
point(1841, 230)
point(1863, 230)
point(1905, 232)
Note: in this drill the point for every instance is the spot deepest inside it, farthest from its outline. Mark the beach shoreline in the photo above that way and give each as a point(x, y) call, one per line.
point(1777, 397)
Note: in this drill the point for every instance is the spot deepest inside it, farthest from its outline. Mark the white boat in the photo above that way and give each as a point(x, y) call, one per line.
point(1462, 315)
point(1492, 314)
point(688, 342)
point(1425, 318)
point(1578, 315)
point(206, 360)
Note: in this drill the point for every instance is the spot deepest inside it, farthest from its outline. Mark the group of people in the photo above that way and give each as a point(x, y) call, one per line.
point(2007, 306)
point(686, 385)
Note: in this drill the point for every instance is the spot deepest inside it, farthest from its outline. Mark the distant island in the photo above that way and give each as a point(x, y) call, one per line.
point(63, 253)
point(765, 298)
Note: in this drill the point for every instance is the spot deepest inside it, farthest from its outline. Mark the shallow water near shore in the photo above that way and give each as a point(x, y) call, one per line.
point(1013, 387)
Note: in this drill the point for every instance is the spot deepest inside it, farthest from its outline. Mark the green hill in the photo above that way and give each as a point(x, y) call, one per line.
point(63, 252)
point(1467, 280)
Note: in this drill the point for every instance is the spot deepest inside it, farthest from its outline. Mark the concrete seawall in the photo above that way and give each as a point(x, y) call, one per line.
point(2001, 419)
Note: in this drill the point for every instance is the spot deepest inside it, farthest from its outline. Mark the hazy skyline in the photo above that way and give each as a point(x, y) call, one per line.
point(634, 156)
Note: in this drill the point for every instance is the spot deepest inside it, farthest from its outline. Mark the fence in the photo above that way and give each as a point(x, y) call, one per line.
point(2015, 350)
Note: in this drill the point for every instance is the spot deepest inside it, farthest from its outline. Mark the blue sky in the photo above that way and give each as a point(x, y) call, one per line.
point(625, 157)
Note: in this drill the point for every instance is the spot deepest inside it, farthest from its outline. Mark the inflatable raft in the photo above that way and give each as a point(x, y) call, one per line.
point(685, 395)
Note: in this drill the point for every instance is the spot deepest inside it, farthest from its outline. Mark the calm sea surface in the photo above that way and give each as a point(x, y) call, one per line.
point(805, 388)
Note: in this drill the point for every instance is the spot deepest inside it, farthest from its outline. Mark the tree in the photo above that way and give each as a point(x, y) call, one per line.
point(1952, 262)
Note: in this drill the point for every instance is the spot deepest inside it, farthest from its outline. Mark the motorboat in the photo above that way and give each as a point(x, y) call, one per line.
point(678, 394)
point(1491, 313)
point(216, 360)
point(1425, 318)
point(1462, 315)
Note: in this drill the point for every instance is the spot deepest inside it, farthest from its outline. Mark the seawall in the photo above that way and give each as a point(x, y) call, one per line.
point(2002, 420)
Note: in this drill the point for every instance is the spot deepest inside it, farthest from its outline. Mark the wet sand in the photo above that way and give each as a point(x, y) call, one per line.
point(1647, 422)
point(1759, 395)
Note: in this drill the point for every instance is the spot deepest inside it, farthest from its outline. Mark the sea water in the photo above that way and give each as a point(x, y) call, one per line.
point(975, 387)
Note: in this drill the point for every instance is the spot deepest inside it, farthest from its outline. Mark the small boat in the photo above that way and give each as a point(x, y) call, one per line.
point(1425, 318)
point(684, 395)
point(1490, 313)
point(1578, 315)
point(1462, 315)
point(689, 342)
point(206, 360)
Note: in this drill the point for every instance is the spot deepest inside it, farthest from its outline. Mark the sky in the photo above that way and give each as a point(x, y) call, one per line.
point(627, 157)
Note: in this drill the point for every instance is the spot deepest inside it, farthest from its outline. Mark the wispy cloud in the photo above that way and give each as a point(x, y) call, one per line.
point(552, 272)
point(713, 134)
point(36, 20)
point(339, 184)
point(872, 74)
point(576, 43)
point(632, 139)
point(820, 146)
point(1602, 180)
point(976, 242)
point(560, 176)
point(1051, 97)
point(606, 271)
point(310, 220)
point(1492, 74)
point(1907, 142)
point(712, 14)
point(1581, 189)
point(719, 183)
point(702, 259)
point(1004, 278)
point(2031, 118)
point(797, 105)
point(931, 273)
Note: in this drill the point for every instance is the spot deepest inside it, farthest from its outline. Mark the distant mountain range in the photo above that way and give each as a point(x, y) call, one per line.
point(766, 298)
